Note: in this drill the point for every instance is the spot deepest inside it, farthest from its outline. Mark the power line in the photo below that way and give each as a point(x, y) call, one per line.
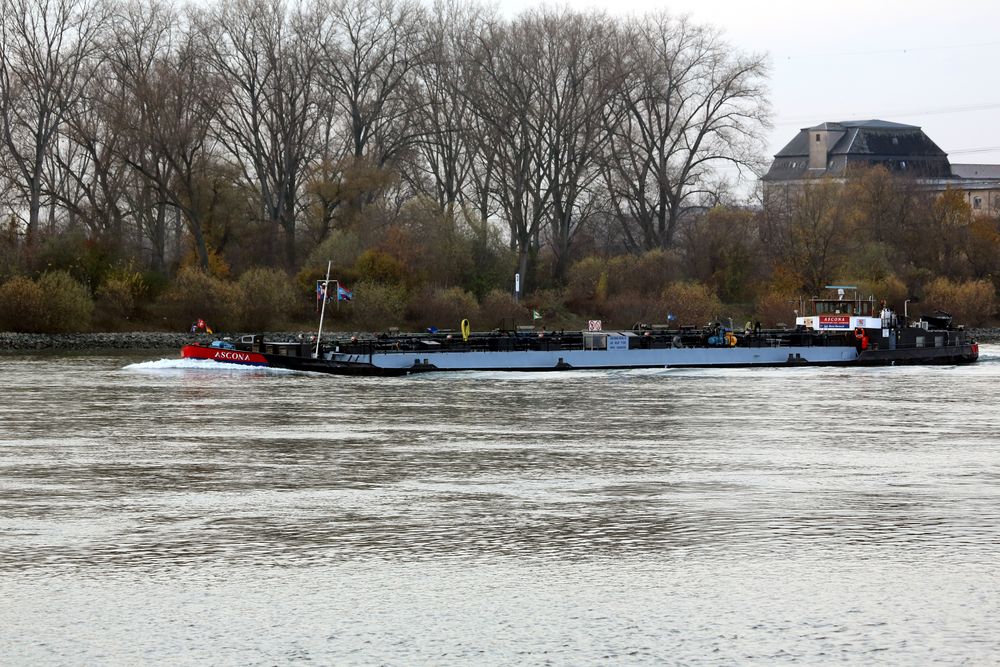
point(967, 151)
point(895, 114)
point(876, 52)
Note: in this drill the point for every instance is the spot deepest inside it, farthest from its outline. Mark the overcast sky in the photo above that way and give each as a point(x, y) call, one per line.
point(932, 64)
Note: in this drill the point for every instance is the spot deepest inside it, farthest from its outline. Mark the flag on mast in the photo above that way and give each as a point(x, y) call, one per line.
point(344, 294)
point(320, 293)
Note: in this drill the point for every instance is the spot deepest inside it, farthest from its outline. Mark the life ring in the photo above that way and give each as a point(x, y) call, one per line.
point(859, 333)
point(466, 330)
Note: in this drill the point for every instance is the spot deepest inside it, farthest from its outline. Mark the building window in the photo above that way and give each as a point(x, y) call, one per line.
point(977, 203)
point(817, 137)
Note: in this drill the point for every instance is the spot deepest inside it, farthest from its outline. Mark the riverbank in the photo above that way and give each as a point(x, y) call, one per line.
point(160, 340)
point(134, 340)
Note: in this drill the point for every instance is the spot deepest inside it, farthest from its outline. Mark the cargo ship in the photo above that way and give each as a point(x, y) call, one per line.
point(837, 331)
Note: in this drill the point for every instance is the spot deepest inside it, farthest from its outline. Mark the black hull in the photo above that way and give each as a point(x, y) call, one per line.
point(947, 356)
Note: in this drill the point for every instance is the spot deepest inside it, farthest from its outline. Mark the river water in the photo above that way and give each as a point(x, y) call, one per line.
point(159, 510)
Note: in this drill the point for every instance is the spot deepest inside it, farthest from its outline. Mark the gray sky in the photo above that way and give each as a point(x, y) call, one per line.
point(932, 64)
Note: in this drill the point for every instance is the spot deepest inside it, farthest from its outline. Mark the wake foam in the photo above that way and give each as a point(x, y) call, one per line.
point(200, 365)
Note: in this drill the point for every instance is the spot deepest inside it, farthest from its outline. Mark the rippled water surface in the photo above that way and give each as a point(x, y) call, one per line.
point(158, 510)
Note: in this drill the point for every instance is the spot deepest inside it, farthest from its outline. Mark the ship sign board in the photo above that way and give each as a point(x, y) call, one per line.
point(618, 342)
point(834, 321)
point(594, 325)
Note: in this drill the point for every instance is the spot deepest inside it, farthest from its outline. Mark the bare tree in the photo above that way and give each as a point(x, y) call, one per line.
point(372, 48)
point(268, 55)
point(576, 78)
point(167, 120)
point(143, 36)
point(94, 181)
point(506, 95)
point(687, 103)
point(45, 46)
point(445, 146)
point(806, 232)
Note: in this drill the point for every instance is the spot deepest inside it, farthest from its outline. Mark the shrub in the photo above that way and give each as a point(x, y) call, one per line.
point(627, 309)
point(622, 276)
point(340, 247)
point(583, 280)
point(22, 306)
point(265, 299)
point(499, 310)
point(889, 288)
point(972, 303)
point(444, 308)
point(218, 267)
point(692, 303)
point(120, 298)
point(55, 303)
point(551, 305)
point(68, 306)
point(195, 294)
point(115, 303)
point(776, 307)
point(380, 267)
point(376, 306)
point(655, 269)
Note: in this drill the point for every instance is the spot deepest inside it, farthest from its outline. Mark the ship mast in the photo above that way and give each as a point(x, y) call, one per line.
point(322, 311)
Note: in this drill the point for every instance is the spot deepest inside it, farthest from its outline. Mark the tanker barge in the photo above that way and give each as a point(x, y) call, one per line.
point(839, 332)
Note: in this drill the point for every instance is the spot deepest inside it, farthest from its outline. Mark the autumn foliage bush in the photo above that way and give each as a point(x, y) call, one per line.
point(120, 299)
point(972, 302)
point(22, 305)
point(776, 307)
point(692, 303)
point(375, 306)
point(498, 309)
point(265, 300)
point(55, 303)
point(586, 283)
point(647, 274)
point(442, 308)
point(626, 310)
point(195, 295)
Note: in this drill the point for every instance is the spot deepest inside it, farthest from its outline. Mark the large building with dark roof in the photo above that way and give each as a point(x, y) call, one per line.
point(831, 150)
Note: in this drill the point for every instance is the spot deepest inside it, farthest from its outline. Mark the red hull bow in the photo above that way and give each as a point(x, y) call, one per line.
point(223, 355)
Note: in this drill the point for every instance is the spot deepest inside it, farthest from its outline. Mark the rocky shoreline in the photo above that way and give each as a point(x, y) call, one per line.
point(134, 340)
point(158, 340)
